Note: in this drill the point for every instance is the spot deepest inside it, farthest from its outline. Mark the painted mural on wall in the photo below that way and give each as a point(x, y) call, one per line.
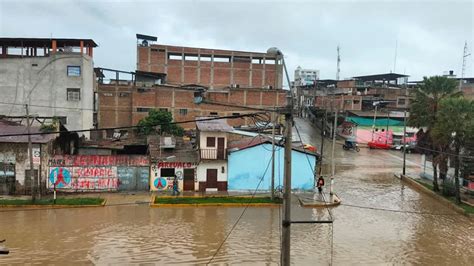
point(94, 172)
point(162, 175)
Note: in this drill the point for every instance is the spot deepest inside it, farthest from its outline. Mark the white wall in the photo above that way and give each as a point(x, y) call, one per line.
point(44, 81)
point(204, 165)
point(203, 139)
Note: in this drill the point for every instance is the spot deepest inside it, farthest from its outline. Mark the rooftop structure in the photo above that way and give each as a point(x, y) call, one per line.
point(213, 68)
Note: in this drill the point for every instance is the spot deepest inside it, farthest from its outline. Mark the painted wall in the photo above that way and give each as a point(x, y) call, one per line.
point(247, 166)
point(165, 183)
point(48, 76)
point(204, 165)
point(92, 173)
point(14, 162)
point(203, 139)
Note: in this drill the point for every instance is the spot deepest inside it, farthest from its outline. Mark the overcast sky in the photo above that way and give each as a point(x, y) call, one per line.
point(430, 34)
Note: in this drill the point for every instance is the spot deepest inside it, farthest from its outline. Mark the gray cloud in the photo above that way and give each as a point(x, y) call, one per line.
point(430, 35)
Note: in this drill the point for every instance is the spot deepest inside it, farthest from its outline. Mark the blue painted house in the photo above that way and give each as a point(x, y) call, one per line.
point(249, 158)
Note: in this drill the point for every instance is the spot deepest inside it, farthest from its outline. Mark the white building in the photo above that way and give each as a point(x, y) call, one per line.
point(212, 141)
point(305, 77)
point(55, 77)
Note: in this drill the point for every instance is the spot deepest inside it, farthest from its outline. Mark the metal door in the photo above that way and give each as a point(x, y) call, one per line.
point(127, 178)
point(188, 180)
point(143, 178)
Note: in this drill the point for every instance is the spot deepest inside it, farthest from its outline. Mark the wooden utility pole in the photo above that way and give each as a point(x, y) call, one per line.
point(404, 140)
point(286, 223)
point(33, 177)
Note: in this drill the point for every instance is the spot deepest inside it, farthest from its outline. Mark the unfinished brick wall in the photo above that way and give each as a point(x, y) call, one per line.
point(210, 67)
point(125, 105)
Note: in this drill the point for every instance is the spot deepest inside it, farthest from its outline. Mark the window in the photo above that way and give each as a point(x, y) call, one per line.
point(74, 71)
point(206, 58)
point(73, 94)
point(124, 94)
point(189, 57)
point(356, 101)
point(269, 61)
point(211, 142)
point(183, 111)
point(143, 109)
point(401, 101)
point(164, 109)
point(213, 113)
point(175, 56)
point(107, 94)
point(236, 114)
point(167, 172)
point(223, 59)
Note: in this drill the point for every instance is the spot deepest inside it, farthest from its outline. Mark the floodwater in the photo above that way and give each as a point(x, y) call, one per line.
point(135, 234)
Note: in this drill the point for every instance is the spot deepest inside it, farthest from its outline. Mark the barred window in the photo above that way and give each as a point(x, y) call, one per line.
point(73, 94)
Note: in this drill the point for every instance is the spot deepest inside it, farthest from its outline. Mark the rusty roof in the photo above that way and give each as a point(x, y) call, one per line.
point(219, 125)
point(8, 128)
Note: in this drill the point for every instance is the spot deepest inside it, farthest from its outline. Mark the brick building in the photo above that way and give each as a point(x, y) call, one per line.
point(123, 105)
point(211, 68)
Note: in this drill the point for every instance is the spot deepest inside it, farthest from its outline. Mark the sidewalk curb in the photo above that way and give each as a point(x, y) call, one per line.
point(184, 205)
point(419, 187)
point(52, 206)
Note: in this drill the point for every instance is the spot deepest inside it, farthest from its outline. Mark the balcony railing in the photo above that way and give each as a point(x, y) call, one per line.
point(213, 154)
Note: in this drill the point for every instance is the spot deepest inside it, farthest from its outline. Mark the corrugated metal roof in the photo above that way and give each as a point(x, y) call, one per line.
point(219, 125)
point(8, 127)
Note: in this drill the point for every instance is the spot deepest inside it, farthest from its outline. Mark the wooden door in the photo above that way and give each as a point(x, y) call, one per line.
point(220, 148)
point(211, 178)
point(188, 184)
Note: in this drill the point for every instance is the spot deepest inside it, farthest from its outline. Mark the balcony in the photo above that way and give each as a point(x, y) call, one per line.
point(213, 154)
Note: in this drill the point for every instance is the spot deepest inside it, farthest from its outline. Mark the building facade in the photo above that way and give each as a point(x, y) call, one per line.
point(122, 105)
point(53, 76)
point(212, 68)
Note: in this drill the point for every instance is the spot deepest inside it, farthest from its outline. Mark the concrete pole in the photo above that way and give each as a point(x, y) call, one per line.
point(286, 223)
point(33, 177)
point(404, 141)
point(373, 126)
point(273, 156)
point(333, 163)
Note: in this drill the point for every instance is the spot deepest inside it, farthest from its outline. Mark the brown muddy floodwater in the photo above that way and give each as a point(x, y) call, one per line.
point(139, 234)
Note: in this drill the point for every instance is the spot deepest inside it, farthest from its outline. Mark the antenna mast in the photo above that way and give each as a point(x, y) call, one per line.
point(464, 56)
point(338, 63)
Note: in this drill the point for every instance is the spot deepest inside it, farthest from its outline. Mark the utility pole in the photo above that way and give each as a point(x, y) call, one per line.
point(338, 63)
point(33, 177)
point(286, 223)
point(333, 163)
point(323, 127)
point(404, 140)
point(273, 156)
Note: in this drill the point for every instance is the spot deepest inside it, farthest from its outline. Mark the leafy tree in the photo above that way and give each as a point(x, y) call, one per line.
point(159, 119)
point(455, 125)
point(424, 112)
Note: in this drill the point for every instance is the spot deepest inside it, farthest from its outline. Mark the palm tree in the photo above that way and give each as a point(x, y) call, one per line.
point(424, 113)
point(455, 125)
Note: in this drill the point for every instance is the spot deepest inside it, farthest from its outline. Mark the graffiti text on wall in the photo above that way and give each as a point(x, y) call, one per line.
point(98, 160)
point(83, 178)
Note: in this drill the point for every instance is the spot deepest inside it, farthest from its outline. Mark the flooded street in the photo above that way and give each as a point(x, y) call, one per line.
point(126, 234)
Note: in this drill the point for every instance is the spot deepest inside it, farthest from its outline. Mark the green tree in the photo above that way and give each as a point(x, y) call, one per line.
point(159, 119)
point(455, 125)
point(424, 113)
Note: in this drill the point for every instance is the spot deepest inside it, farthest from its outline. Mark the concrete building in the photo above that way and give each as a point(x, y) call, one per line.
point(53, 76)
point(14, 159)
point(212, 68)
point(306, 77)
point(212, 145)
point(249, 175)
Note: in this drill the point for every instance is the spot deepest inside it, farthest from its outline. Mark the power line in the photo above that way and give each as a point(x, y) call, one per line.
point(132, 127)
point(242, 214)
